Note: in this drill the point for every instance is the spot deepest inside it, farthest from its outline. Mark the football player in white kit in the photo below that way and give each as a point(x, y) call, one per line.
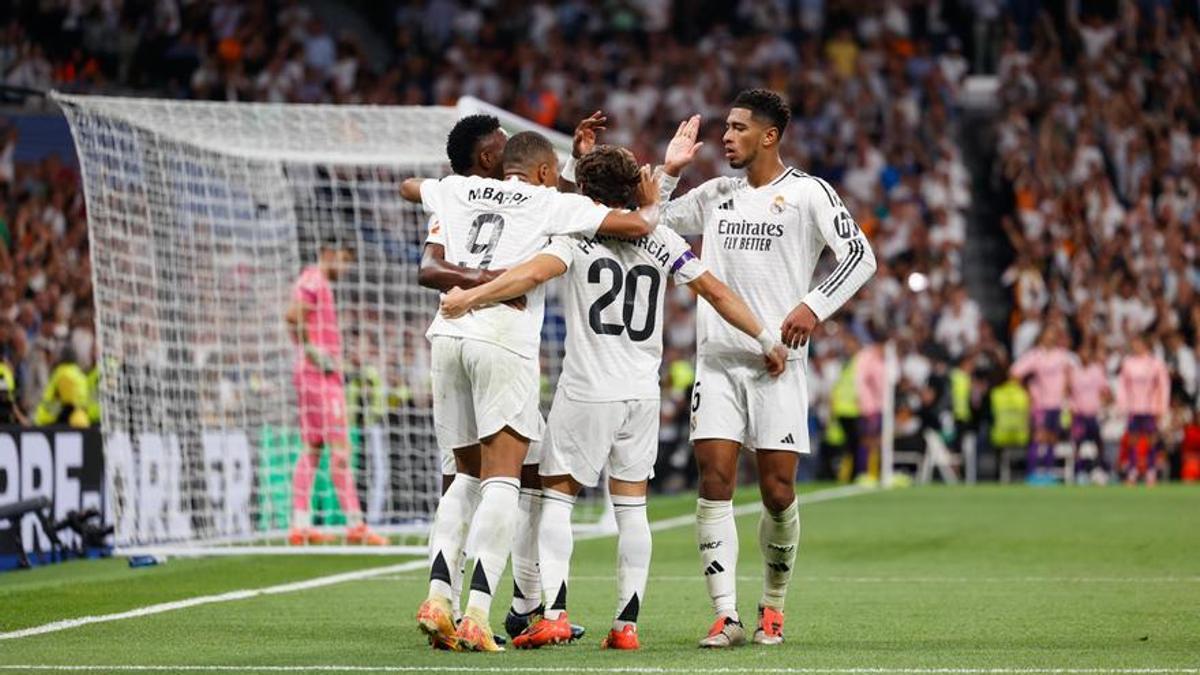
point(763, 234)
point(475, 147)
point(484, 379)
point(606, 408)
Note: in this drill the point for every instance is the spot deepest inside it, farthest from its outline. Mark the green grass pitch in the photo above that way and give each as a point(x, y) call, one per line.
point(922, 580)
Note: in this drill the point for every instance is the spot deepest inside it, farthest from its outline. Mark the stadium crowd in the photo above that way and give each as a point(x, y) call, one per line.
point(1098, 156)
point(1097, 145)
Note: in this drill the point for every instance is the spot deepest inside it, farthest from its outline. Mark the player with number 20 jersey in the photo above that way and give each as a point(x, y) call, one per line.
point(485, 383)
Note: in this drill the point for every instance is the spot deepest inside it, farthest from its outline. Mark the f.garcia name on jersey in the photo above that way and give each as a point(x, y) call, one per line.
point(743, 235)
point(499, 197)
point(656, 249)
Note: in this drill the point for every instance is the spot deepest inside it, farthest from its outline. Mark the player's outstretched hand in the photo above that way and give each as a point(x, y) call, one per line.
point(455, 303)
point(647, 194)
point(585, 134)
point(798, 325)
point(683, 147)
point(776, 361)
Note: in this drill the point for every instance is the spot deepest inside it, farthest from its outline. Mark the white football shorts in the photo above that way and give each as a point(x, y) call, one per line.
point(479, 388)
point(584, 438)
point(735, 399)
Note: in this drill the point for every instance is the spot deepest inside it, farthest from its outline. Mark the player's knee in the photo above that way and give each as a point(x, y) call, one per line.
point(777, 494)
point(716, 487)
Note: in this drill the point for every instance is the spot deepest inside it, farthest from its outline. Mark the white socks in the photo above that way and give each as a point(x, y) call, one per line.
point(527, 583)
point(494, 526)
point(716, 535)
point(633, 557)
point(778, 539)
point(449, 535)
point(555, 543)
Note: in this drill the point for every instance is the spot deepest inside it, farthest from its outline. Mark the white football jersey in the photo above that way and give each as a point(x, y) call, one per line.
point(765, 243)
point(491, 224)
point(614, 309)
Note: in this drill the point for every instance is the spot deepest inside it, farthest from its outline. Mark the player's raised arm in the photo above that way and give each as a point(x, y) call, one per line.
point(856, 264)
point(512, 283)
point(737, 313)
point(686, 214)
point(582, 143)
point(681, 150)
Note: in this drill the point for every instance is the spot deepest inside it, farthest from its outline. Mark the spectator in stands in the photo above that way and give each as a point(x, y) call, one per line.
point(65, 399)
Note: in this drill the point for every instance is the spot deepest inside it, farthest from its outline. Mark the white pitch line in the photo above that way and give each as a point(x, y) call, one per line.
point(668, 523)
point(883, 580)
point(649, 670)
point(243, 594)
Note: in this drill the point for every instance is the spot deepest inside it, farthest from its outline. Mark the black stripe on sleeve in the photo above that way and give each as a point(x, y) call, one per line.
point(825, 189)
point(843, 270)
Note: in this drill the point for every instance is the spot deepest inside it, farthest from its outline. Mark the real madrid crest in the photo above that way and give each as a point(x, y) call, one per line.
point(777, 204)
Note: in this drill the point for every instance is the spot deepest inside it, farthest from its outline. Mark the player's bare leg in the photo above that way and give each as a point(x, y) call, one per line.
point(716, 536)
point(342, 476)
point(302, 531)
point(778, 538)
point(437, 616)
point(501, 456)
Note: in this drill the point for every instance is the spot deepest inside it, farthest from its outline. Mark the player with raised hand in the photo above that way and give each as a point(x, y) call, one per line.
point(763, 234)
point(484, 364)
point(606, 409)
point(312, 320)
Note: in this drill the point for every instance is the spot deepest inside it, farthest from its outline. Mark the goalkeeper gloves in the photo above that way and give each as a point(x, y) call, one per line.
point(324, 362)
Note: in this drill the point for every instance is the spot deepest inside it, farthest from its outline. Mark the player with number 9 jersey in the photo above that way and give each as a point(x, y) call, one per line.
point(484, 366)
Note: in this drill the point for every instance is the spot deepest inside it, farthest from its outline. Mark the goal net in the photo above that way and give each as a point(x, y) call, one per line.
point(202, 216)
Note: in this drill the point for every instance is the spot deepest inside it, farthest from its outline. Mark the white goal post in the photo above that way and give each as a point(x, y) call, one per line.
point(201, 217)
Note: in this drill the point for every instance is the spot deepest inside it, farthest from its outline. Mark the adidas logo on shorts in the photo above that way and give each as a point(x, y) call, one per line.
point(788, 439)
point(714, 568)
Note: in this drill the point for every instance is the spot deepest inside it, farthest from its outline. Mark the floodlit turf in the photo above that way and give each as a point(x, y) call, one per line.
point(1009, 578)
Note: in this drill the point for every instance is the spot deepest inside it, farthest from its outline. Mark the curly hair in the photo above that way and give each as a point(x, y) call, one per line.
point(609, 175)
point(765, 105)
point(466, 134)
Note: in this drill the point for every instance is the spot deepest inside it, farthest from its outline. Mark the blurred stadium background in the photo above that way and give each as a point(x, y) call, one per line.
point(1017, 164)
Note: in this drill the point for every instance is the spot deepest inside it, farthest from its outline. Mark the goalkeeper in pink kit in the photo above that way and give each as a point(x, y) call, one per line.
point(317, 374)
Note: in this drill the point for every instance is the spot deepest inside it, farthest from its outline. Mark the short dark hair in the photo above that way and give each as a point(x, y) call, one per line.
point(334, 242)
point(527, 148)
point(765, 105)
point(609, 175)
point(464, 137)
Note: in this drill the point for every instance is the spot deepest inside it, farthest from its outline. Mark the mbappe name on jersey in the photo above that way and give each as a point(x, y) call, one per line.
point(656, 249)
point(743, 235)
point(490, 194)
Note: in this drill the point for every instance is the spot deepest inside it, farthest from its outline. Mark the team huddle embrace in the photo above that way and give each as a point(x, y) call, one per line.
point(507, 222)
